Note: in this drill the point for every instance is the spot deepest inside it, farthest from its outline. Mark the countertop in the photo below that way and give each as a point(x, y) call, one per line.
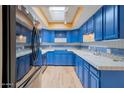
point(99, 62)
point(23, 52)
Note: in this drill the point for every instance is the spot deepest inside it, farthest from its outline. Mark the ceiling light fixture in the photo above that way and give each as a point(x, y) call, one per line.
point(65, 22)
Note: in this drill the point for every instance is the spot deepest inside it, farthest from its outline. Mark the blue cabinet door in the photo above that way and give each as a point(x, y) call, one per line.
point(21, 68)
point(121, 21)
point(52, 36)
point(90, 25)
point(50, 58)
point(45, 36)
point(48, 36)
point(110, 22)
point(84, 28)
point(70, 59)
point(69, 37)
point(17, 69)
point(81, 70)
point(57, 60)
point(94, 81)
point(98, 25)
point(44, 59)
point(77, 65)
point(73, 36)
point(39, 59)
point(60, 58)
point(86, 77)
point(81, 34)
point(27, 63)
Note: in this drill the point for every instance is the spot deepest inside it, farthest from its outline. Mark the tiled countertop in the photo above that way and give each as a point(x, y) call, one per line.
point(23, 52)
point(99, 62)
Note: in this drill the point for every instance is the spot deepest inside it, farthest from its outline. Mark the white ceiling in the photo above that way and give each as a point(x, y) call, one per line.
point(88, 11)
point(69, 15)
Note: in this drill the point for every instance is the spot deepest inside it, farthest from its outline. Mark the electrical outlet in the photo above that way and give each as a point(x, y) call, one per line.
point(108, 51)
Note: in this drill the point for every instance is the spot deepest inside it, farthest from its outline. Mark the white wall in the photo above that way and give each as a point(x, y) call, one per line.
point(0, 46)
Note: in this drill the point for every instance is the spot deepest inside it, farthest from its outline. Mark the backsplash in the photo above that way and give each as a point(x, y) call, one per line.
point(106, 50)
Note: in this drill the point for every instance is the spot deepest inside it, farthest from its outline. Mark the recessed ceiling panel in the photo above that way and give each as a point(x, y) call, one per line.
point(60, 13)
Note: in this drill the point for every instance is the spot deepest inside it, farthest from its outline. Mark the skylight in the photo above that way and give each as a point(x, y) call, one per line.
point(57, 8)
point(57, 13)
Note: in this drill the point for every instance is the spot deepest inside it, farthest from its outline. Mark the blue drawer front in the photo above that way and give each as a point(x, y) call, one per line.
point(94, 71)
point(86, 77)
point(94, 81)
point(86, 64)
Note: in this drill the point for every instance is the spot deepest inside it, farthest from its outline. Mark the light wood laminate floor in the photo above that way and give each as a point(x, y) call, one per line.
point(57, 77)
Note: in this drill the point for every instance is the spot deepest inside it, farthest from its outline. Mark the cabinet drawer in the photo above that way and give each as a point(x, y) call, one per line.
point(94, 81)
point(94, 71)
point(86, 64)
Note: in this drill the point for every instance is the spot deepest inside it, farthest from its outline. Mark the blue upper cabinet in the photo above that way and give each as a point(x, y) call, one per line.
point(68, 36)
point(98, 25)
point(60, 34)
point(81, 34)
point(90, 25)
point(113, 21)
point(47, 36)
point(22, 30)
point(52, 36)
point(121, 21)
point(84, 28)
point(106, 23)
point(110, 21)
point(73, 36)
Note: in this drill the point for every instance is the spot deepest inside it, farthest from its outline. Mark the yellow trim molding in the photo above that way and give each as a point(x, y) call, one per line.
point(60, 25)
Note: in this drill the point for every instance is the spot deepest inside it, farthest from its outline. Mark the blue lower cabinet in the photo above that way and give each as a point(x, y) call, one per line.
point(21, 68)
point(27, 63)
point(70, 59)
point(17, 70)
point(44, 59)
point(81, 71)
point(86, 81)
point(94, 81)
point(60, 58)
point(90, 77)
point(23, 65)
point(39, 58)
point(50, 58)
point(77, 65)
point(112, 79)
